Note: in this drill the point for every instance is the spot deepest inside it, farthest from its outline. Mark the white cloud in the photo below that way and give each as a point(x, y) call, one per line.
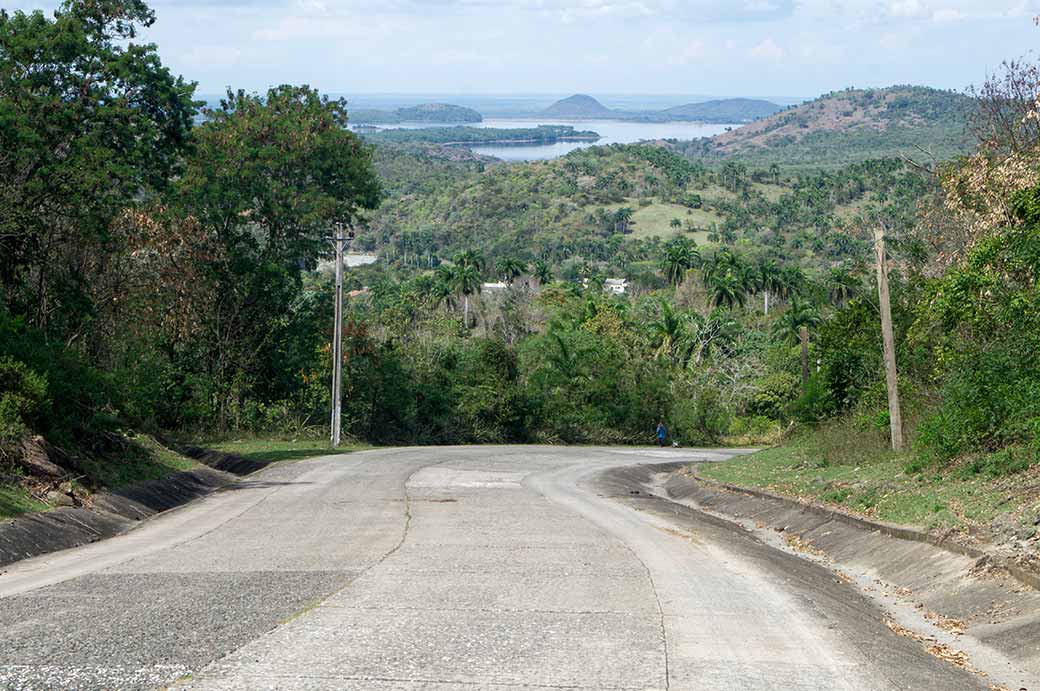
point(768, 51)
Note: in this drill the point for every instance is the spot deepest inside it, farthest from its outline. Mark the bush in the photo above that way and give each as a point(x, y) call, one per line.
point(703, 419)
point(815, 405)
point(23, 399)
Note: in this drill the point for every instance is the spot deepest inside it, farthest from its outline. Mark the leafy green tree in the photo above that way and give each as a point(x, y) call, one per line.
point(268, 177)
point(90, 122)
point(675, 224)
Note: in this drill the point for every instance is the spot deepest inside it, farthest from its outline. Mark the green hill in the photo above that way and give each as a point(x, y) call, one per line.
point(852, 125)
point(730, 110)
point(426, 112)
point(579, 106)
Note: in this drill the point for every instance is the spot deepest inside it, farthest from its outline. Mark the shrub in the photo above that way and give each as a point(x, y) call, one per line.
point(23, 399)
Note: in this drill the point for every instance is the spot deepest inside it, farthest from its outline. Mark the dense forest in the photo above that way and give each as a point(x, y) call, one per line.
point(166, 273)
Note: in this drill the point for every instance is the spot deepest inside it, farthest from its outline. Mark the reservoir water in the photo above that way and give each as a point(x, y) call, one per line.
point(610, 131)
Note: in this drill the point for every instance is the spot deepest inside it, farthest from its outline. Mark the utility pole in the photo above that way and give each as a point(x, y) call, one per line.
point(803, 336)
point(340, 241)
point(888, 340)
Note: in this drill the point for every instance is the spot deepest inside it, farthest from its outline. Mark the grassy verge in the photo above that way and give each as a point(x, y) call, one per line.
point(143, 459)
point(852, 469)
point(15, 501)
point(261, 449)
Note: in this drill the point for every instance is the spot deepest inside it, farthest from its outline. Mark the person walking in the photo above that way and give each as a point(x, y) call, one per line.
point(662, 432)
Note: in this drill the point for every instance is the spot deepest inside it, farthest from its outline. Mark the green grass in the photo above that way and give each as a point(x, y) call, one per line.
point(656, 219)
point(15, 501)
point(260, 449)
point(851, 468)
point(143, 459)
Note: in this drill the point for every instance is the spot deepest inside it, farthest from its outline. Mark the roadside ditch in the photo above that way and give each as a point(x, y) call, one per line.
point(967, 606)
point(114, 512)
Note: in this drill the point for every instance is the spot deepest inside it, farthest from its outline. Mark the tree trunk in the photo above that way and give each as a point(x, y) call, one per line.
point(766, 292)
point(888, 340)
point(805, 355)
point(465, 310)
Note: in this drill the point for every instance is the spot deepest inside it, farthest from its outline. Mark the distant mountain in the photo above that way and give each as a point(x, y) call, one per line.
point(579, 106)
point(426, 112)
point(730, 110)
point(858, 123)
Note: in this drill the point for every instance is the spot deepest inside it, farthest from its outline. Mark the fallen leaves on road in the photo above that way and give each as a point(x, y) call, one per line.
point(936, 649)
point(796, 543)
point(954, 626)
point(956, 657)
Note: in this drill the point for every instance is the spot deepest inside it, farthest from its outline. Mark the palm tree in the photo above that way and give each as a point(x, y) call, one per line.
point(673, 333)
point(842, 285)
point(509, 269)
point(542, 272)
point(680, 256)
point(801, 313)
point(794, 326)
point(472, 258)
point(768, 281)
point(727, 288)
point(792, 282)
point(441, 288)
point(465, 280)
point(622, 217)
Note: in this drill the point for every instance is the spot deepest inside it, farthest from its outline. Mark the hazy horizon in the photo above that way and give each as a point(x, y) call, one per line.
point(726, 48)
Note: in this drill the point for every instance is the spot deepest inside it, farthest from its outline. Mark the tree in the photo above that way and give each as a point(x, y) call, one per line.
point(466, 281)
point(675, 224)
point(90, 123)
point(509, 269)
point(842, 284)
point(680, 256)
point(727, 289)
point(268, 178)
point(793, 327)
point(542, 272)
point(622, 218)
point(768, 281)
point(470, 257)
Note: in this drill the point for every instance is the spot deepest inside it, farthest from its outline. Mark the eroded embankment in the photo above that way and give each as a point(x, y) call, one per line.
point(113, 512)
point(948, 596)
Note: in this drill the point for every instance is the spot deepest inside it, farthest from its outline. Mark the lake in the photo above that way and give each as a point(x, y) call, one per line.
point(610, 131)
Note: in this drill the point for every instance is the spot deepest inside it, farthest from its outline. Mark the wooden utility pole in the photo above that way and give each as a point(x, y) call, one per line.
point(888, 340)
point(340, 241)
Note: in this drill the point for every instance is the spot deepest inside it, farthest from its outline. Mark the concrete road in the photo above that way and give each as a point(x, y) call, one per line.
point(447, 568)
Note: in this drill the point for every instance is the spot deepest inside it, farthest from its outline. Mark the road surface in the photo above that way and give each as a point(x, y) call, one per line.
point(447, 568)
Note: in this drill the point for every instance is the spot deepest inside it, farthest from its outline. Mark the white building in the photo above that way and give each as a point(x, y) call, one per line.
point(616, 286)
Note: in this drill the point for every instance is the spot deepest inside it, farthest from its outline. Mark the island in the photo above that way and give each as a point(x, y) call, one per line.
point(474, 136)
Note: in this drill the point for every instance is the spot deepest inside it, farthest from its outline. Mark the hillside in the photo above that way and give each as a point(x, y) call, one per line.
point(730, 110)
point(426, 112)
point(724, 111)
point(852, 125)
point(579, 106)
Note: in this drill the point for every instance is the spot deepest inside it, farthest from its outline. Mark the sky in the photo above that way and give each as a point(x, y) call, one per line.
point(790, 48)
